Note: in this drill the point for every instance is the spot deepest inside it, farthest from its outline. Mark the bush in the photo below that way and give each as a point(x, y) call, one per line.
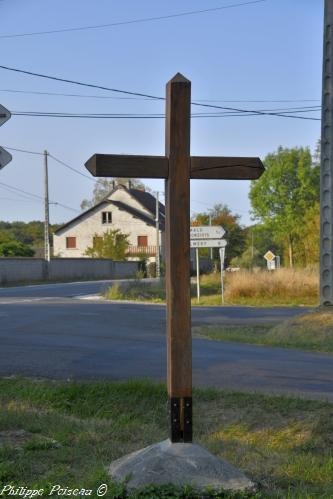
point(151, 269)
point(15, 248)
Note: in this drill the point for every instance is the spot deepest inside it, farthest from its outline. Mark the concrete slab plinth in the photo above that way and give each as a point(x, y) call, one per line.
point(178, 464)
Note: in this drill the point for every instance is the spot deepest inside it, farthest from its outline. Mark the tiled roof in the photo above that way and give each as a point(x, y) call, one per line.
point(147, 200)
point(144, 198)
point(136, 213)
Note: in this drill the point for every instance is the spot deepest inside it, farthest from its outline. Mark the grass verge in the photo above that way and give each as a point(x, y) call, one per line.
point(282, 287)
point(67, 433)
point(310, 331)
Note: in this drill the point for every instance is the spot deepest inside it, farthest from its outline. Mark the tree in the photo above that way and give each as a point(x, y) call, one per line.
point(284, 194)
point(29, 233)
point(220, 214)
point(15, 248)
point(103, 186)
point(113, 244)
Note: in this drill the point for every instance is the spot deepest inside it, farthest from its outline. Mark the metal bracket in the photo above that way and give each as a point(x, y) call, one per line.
point(181, 419)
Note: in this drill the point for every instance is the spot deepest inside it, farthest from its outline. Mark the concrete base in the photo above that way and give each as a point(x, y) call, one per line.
point(179, 464)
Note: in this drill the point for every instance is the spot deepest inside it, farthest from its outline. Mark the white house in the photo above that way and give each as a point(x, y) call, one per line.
point(133, 211)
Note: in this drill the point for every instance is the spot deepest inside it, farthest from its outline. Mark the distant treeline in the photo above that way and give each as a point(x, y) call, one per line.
point(23, 238)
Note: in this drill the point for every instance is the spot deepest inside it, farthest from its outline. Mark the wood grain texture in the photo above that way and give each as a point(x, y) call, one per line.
point(119, 165)
point(177, 143)
point(232, 168)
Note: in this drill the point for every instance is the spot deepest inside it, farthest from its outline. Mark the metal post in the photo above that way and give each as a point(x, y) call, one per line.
point(157, 220)
point(47, 221)
point(326, 175)
point(222, 252)
point(198, 273)
point(211, 249)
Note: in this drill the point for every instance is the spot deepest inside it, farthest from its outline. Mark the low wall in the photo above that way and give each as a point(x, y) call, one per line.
point(15, 270)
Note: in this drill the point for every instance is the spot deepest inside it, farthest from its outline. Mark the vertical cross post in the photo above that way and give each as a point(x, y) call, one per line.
point(177, 246)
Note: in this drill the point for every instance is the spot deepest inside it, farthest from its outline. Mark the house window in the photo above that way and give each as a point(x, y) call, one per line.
point(70, 242)
point(142, 240)
point(106, 217)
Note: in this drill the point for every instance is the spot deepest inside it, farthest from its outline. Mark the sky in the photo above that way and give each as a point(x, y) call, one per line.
point(263, 55)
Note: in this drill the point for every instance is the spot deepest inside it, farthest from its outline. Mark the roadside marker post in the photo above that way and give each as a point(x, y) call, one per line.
point(204, 236)
point(222, 256)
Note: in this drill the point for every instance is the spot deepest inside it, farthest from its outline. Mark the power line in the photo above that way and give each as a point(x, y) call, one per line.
point(73, 82)
point(152, 116)
point(54, 158)
point(35, 196)
point(70, 167)
point(24, 150)
point(60, 94)
point(133, 21)
point(162, 115)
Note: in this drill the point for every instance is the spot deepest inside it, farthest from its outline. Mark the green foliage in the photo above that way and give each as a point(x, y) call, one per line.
point(220, 214)
point(137, 290)
point(258, 239)
point(248, 259)
point(282, 197)
point(113, 244)
point(14, 248)
point(30, 233)
point(104, 186)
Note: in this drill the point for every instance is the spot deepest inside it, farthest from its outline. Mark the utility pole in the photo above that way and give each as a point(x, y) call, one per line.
point(326, 166)
point(211, 249)
point(157, 220)
point(47, 220)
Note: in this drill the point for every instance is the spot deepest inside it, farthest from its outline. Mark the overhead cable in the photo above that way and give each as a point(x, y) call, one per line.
point(73, 82)
point(71, 168)
point(35, 196)
point(132, 21)
point(84, 96)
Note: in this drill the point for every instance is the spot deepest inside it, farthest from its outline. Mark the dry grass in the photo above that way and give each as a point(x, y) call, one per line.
point(261, 288)
point(283, 286)
point(311, 331)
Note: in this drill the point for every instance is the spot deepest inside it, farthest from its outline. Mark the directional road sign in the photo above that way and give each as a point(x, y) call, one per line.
point(208, 243)
point(4, 115)
point(5, 157)
point(269, 256)
point(207, 232)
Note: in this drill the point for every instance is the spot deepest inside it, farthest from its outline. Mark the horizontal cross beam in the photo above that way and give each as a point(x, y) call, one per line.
point(202, 167)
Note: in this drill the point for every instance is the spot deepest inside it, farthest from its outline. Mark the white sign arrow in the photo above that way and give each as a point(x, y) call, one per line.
point(4, 115)
point(208, 243)
point(5, 157)
point(207, 232)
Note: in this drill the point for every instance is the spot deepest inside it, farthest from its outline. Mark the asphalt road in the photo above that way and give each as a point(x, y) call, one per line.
point(45, 332)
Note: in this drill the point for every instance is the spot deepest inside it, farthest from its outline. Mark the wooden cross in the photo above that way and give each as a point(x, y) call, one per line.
point(177, 167)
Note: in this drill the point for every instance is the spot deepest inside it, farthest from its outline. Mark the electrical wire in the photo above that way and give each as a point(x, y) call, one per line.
point(127, 92)
point(24, 150)
point(133, 21)
point(60, 94)
point(34, 196)
point(156, 116)
point(71, 167)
